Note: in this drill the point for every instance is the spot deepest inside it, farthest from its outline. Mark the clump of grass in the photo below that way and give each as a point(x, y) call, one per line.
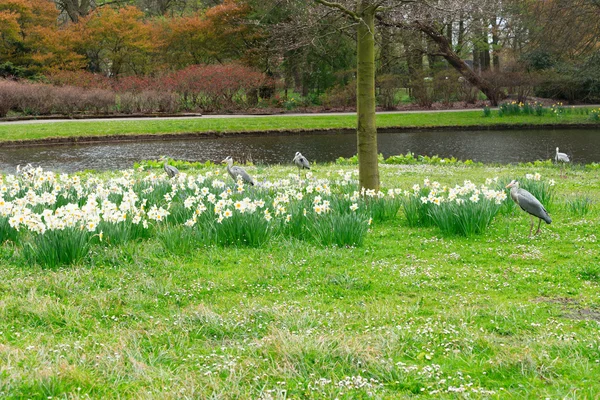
point(58, 247)
point(589, 272)
point(557, 109)
point(7, 232)
point(487, 112)
point(465, 218)
point(579, 205)
point(594, 115)
point(514, 108)
point(415, 209)
point(383, 208)
point(122, 232)
point(243, 230)
point(295, 225)
point(182, 240)
point(338, 229)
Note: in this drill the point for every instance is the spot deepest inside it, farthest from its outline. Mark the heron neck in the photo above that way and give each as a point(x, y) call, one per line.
point(513, 192)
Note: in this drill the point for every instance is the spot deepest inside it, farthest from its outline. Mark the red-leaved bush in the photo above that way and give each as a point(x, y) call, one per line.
point(148, 101)
point(82, 79)
point(8, 100)
point(135, 84)
point(214, 87)
point(197, 87)
point(42, 99)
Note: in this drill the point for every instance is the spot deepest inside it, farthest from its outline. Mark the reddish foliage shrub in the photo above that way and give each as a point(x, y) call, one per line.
point(148, 101)
point(82, 79)
point(134, 84)
point(341, 96)
point(42, 99)
point(8, 100)
point(205, 87)
point(34, 98)
point(214, 87)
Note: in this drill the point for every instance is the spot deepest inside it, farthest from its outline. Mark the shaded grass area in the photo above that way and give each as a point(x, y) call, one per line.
point(410, 313)
point(272, 123)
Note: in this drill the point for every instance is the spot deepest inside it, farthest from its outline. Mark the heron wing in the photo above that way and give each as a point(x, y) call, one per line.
point(304, 163)
point(531, 205)
point(171, 170)
point(239, 171)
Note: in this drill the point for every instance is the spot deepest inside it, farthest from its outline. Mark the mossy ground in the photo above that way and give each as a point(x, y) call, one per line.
point(411, 313)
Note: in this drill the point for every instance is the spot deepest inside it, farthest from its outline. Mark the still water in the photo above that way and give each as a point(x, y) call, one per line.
point(582, 145)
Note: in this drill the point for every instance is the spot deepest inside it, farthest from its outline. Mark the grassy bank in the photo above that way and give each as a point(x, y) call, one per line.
point(411, 312)
point(275, 123)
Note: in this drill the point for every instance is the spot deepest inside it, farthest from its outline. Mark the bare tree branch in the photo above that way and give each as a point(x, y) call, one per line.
point(340, 7)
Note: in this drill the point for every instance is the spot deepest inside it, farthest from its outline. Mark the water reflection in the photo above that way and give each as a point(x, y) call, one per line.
point(583, 145)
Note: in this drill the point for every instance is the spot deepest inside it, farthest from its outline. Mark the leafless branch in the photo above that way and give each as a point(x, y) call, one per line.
point(340, 7)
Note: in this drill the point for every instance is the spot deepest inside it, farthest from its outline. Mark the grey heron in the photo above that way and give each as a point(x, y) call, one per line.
point(237, 172)
point(301, 162)
point(529, 204)
point(561, 158)
point(169, 169)
point(26, 170)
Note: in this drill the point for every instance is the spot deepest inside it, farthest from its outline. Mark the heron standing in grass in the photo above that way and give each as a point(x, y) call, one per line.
point(237, 172)
point(169, 169)
point(529, 204)
point(301, 162)
point(561, 158)
point(26, 170)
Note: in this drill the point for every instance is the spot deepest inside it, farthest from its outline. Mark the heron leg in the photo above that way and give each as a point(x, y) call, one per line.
point(538, 229)
point(531, 227)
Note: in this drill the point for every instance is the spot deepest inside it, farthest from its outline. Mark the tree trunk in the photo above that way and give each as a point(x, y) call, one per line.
point(75, 9)
point(368, 167)
point(460, 41)
point(454, 60)
point(495, 41)
point(385, 51)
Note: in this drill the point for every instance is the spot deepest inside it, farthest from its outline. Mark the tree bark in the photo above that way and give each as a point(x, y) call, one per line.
point(75, 9)
point(368, 164)
point(460, 41)
point(385, 51)
point(454, 60)
point(495, 42)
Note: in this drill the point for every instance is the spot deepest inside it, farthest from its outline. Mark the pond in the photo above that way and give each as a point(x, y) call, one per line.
point(488, 146)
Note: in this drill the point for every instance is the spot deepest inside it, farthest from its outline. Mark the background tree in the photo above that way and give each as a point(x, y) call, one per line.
point(75, 9)
point(115, 41)
point(21, 23)
point(217, 35)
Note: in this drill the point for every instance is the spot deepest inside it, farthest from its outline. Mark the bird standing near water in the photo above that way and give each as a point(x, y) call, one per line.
point(169, 169)
point(301, 162)
point(237, 172)
point(561, 158)
point(529, 204)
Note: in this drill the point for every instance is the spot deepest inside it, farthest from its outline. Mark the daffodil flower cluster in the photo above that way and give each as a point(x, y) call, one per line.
point(434, 193)
point(37, 200)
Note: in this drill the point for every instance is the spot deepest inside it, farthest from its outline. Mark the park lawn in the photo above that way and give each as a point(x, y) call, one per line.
point(411, 313)
point(9, 132)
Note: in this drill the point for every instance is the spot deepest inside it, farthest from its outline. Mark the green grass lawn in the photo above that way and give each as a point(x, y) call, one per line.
point(411, 313)
point(421, 120)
